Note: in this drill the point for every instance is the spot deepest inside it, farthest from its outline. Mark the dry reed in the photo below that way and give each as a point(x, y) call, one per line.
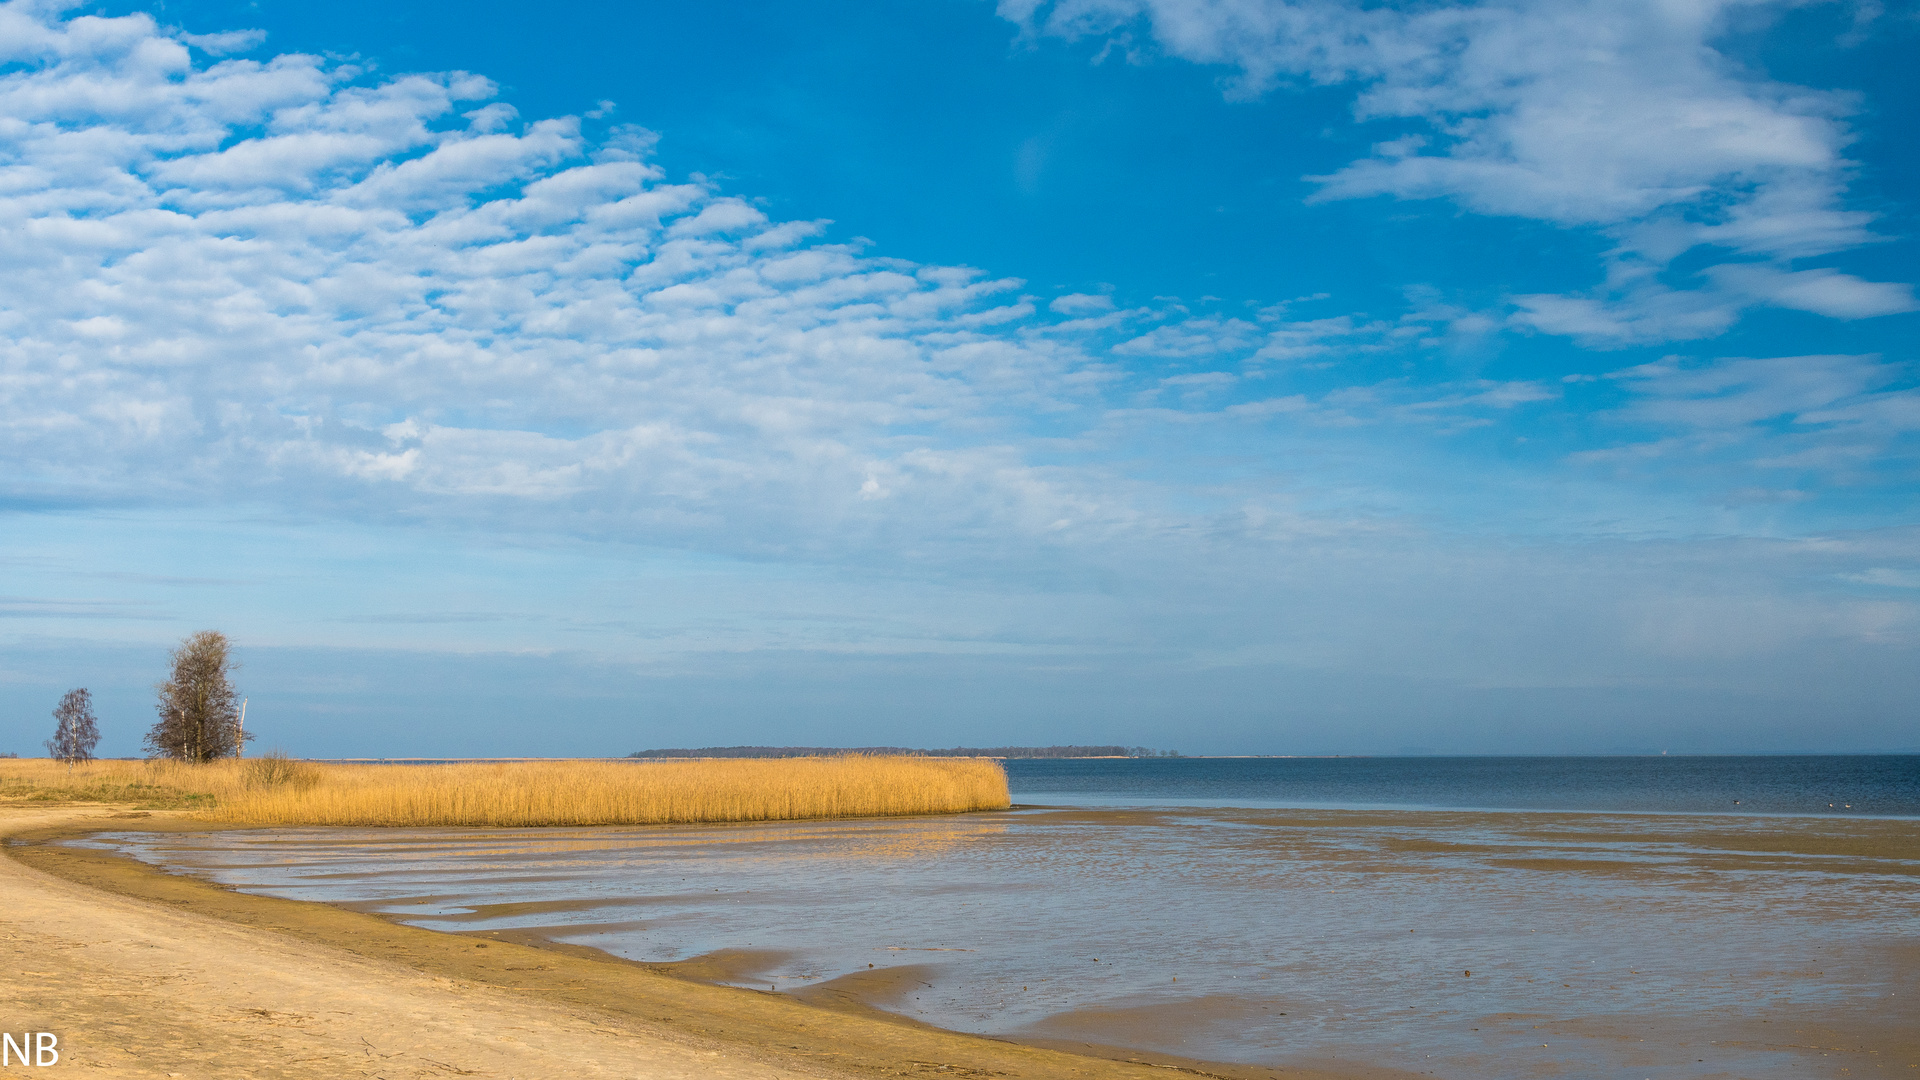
point(277, 791)
point(148, 785)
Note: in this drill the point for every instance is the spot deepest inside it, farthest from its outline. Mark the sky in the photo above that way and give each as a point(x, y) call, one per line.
point(1224, 376)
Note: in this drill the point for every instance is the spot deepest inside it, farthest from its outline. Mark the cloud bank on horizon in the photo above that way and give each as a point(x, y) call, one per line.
point(237, 279)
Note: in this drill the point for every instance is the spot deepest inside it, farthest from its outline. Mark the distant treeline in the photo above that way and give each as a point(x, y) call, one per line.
point(957, 751)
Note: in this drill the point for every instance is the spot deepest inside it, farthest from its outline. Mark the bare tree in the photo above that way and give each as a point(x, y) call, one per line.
point(78, 730)
point(199, 707)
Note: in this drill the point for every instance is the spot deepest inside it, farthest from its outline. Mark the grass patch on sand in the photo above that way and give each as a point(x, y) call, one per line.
point(276, 790)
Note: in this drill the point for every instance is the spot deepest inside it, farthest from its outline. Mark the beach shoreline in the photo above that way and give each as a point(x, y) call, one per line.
point(68, 912)
point(840, 1014)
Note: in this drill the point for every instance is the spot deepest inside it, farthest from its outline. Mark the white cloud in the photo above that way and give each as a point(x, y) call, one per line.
point(279, 280)
point(282, 285)
point(1886, 577)
point(1617, 115)
point(1313, 339)
point(226, 44)
point(1080, 304)
point(1842, 416)
point(274, 278)
point(1647, 314)
point(1638, 310)
point(1821, 291)
point(1205, 337)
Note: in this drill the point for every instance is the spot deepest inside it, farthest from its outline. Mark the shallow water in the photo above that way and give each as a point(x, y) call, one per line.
point(1598, 945)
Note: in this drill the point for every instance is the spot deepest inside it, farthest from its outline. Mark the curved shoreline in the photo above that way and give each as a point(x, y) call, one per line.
point(758, 1031)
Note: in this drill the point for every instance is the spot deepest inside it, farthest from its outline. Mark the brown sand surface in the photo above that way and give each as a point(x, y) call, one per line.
point(145, 974)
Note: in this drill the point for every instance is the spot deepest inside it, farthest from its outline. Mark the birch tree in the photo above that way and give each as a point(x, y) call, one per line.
point(77, 730)
point(198, 705)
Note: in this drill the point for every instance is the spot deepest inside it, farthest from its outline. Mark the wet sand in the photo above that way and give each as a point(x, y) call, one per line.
point(1597, 945)
point(148, 974)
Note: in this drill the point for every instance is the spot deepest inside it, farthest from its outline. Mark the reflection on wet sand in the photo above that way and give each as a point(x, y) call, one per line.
point(1507, 944)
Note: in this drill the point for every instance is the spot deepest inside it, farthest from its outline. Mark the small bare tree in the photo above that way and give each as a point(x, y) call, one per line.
point(77, 731)
point(199, 707)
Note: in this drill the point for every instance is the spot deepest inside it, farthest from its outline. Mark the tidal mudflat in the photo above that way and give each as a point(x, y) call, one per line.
point(1466, 944)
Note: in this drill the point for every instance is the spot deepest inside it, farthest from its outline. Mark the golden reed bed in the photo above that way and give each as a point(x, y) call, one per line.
point(277, 791)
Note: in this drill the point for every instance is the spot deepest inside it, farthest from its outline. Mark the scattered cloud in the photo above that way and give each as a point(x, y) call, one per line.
point(286, 284)
point(1190, 338)
point(228, 43)
point(1843, 417)
point(1614, 115)
point(1822, 291)
point(1886, 577)
point(245, 278)
point(1080, 304)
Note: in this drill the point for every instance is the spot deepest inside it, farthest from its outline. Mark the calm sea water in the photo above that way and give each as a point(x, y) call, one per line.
point(1848, 786)
point(1181, 906)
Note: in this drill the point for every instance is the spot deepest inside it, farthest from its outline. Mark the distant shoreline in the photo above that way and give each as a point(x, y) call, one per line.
point(838, 751)
point(1004, 753)
point(1170, 756)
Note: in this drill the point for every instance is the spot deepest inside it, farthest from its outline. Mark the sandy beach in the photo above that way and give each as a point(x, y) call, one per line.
point(144, 974)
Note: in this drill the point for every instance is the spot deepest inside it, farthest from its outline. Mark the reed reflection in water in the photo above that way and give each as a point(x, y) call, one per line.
point(1598, 945)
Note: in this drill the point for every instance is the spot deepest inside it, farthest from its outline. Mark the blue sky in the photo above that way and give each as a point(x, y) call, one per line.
point(1246, 377)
